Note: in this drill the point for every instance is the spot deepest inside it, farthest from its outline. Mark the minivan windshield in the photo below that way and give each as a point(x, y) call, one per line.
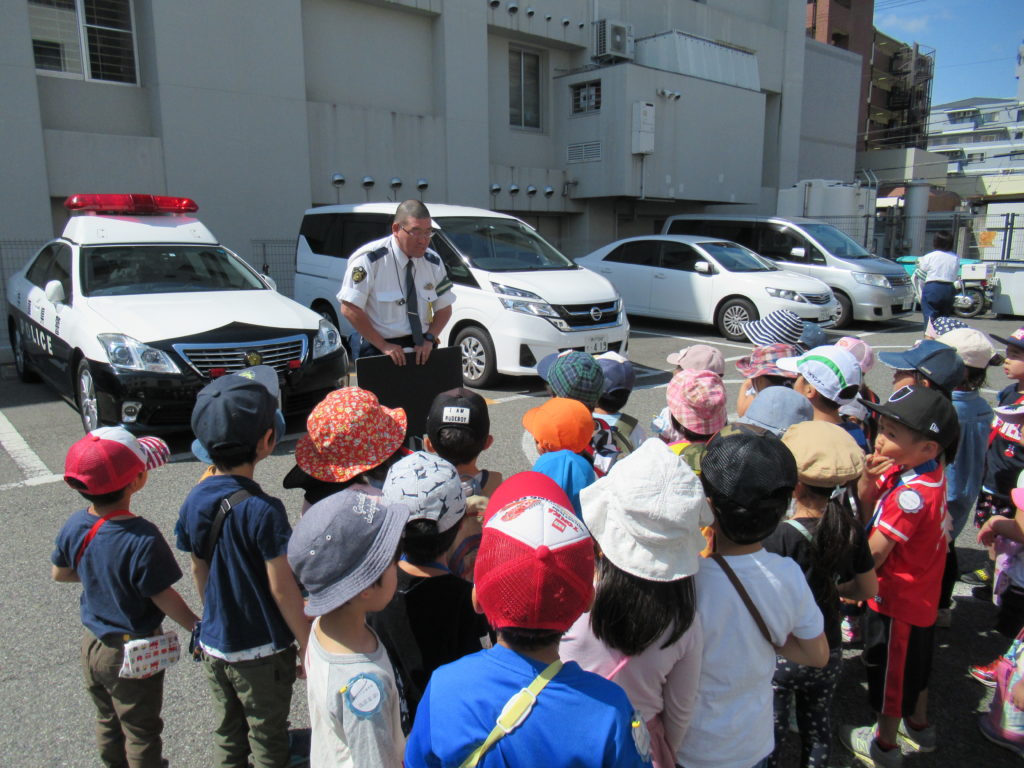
point(836, 242)
point(120, 270)
point(502, 245)
point(736, 258)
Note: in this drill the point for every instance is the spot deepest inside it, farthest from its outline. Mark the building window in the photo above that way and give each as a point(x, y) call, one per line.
point(523, 88)
point(976, 157)
point(963, 116)
point(63, 29)
point(586, 97)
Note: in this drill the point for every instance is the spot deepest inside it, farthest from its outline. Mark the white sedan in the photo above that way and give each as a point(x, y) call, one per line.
point(705, 280)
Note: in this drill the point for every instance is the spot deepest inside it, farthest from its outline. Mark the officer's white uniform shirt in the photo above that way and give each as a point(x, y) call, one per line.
point(939, 266)
point(375, 282)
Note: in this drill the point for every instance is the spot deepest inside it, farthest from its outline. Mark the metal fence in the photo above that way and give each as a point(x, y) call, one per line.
point(984, 237)
point(277, 259)
point(859, 228)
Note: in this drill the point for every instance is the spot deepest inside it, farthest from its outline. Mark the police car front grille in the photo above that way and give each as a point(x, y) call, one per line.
point(233, 357)
point(818, 298)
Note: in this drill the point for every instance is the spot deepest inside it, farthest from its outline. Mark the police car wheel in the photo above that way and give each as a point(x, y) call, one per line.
point(479, 367)
point(85, 391)
point(25, 373)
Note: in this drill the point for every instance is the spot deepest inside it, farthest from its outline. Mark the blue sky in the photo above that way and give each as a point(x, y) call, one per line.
point(975, 42)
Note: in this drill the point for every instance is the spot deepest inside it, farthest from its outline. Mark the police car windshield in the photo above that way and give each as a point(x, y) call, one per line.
point(736, 258)
point(502, 245)
point(120, 270)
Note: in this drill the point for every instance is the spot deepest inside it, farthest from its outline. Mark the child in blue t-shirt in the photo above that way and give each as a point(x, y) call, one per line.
point(127, 571)
point(534, 578)
point(252, 607)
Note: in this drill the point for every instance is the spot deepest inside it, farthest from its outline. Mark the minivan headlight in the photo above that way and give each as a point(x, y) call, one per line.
point(785, 293)
point(870, 278)
point(327, 340)
point(526, 302)
point(129, 354)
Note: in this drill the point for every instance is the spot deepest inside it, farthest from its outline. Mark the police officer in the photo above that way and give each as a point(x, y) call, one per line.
point(396, 292)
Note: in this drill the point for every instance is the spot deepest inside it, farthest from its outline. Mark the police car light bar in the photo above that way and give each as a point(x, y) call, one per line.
point(130, 204)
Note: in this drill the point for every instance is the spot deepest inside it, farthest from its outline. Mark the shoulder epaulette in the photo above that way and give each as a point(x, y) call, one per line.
point(432, 258)
point(378, 254)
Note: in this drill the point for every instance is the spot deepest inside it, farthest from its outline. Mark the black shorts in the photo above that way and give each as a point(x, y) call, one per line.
point(898, 659)
point(1011, 612)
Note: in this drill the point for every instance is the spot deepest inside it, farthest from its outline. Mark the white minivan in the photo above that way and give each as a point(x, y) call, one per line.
point(518, 298)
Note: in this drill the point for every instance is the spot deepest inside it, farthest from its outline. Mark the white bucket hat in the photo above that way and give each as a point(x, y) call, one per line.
point(647, 512)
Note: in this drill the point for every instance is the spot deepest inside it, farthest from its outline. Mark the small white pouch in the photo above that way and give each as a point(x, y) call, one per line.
point(149, 655)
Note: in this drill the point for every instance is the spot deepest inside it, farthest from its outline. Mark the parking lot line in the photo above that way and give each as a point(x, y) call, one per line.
point(714, 342)
point(31, 466)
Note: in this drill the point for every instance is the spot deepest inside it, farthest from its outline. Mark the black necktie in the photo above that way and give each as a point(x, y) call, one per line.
point(412, 306)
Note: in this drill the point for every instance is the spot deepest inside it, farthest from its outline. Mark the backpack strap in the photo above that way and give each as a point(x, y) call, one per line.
point(515, 711)
point(800, 527)
point(226, 505)
point(626, 425)
point(95, 529)
point(756, 614)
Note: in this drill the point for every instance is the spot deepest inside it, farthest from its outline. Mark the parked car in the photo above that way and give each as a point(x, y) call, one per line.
point(867, 287)
point(136, 307)
point(706, 280)
point(517, 298)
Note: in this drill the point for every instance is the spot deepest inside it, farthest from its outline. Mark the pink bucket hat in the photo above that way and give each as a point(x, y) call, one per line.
point(697, 401)
point(349, 432)
point(761, 361)
point(859, 349)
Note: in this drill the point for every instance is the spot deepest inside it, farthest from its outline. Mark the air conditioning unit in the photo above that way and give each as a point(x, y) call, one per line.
point(613, 41)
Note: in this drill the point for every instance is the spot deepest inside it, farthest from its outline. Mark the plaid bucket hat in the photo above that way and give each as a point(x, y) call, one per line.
point(575, 375)
point(761, 361)
point(697, 401)
point(348, 433)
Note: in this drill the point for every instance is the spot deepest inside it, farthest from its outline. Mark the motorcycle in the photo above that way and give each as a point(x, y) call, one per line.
point(973, 297)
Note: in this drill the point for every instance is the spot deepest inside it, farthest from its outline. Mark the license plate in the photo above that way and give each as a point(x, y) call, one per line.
point(596, 344)
point(908, 305)
point(824, 315)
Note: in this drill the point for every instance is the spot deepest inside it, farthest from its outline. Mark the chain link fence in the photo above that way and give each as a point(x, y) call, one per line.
point(277, 259)
point(976, 236)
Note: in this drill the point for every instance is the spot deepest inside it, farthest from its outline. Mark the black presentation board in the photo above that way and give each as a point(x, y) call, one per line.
point(412, 387)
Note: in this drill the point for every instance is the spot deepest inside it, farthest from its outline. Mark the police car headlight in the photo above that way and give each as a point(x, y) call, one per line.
point(327, 339)
point(128, 354)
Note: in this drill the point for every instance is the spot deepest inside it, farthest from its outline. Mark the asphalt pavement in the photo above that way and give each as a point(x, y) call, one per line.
point(46, 718)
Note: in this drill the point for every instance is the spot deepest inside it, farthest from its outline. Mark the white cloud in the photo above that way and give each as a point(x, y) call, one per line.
point(899, 25)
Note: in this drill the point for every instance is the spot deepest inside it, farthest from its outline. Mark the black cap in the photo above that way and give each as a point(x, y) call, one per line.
point(236, 410)
point(1015, 339)
point(923, 410)
point(460, 408)
point(749, 479)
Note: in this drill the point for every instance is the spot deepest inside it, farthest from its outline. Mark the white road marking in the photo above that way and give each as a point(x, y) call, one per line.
point(28, 462)
point(37, 480)
point(709, 342)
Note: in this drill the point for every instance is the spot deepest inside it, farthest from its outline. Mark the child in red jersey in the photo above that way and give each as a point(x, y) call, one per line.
point(906, 486)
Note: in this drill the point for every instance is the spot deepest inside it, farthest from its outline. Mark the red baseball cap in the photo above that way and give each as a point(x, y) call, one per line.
point(108, 459)
point(535, 565)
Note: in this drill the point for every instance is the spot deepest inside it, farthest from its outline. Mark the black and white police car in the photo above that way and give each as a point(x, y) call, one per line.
point(137, 306)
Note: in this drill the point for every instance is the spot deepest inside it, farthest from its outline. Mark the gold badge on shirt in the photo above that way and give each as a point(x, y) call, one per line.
point(358, 275)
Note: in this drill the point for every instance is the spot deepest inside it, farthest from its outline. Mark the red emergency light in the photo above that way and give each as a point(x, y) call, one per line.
point(131, 204)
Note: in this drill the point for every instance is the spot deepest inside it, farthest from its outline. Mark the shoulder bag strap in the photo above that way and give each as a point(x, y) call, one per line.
point(95, 528)
point(743, 595)
point(218, 522)
point(515, 711)
point(800, 527)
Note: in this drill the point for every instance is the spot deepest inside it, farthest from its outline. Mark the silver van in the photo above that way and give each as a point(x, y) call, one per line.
point(867, 287)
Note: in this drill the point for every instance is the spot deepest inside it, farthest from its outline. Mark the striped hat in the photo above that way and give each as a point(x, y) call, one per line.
point(779, 327)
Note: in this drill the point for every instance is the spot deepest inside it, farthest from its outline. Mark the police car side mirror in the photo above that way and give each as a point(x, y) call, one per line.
point(271, 283)
point(55, 292)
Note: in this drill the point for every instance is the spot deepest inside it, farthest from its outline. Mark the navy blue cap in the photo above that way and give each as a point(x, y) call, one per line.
point(937, 362)
point(813, 336)
point(618, 372)
point(235, 410)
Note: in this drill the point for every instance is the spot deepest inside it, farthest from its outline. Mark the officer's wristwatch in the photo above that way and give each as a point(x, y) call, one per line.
point(428, 336)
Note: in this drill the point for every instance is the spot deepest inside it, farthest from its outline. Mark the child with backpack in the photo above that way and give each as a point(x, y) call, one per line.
point(642, 630)
point(828, 544)
point(617, 433)
point(698, 357)
point(561, 430)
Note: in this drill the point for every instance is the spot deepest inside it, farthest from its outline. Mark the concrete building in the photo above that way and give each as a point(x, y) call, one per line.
point(591, 119)
point(895, 80)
